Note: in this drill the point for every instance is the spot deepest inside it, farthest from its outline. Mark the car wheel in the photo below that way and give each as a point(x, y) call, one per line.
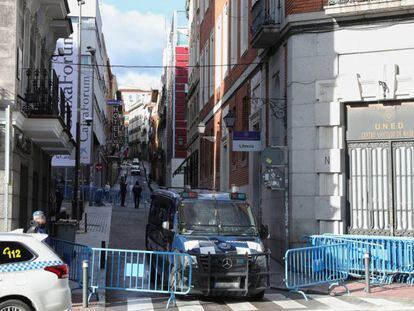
point(14, 305)
point(259, 296)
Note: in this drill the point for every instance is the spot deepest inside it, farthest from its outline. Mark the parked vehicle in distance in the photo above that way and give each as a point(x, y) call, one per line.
point(135, 161)
point(219, 231)
point(135, 170)
point(32, 275)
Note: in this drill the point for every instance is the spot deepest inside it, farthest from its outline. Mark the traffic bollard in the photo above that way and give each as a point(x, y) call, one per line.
point(102, 261)
point(367, 274)
point(85, 284)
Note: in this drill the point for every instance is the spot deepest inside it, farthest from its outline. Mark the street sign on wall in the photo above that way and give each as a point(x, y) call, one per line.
point(247, 141)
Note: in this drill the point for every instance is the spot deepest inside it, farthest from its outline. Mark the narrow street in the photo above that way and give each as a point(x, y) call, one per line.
point(128, 232)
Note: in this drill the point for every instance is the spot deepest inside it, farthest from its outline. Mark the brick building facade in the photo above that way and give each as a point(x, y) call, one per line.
point(326, 81)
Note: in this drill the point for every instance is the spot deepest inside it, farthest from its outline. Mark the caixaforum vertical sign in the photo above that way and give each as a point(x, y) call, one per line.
point(66, 68)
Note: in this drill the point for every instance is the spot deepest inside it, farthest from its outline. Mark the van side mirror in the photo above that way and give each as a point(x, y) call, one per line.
point(166, 225)
point(264, 232)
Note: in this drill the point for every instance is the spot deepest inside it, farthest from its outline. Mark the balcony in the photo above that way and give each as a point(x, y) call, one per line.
point(47, 116)
point(349, 8)
point(266, 26)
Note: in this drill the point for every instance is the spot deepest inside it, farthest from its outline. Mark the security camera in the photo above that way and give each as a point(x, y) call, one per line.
point(88, 121)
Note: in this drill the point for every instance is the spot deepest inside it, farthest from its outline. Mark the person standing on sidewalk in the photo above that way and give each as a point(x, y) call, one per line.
point(137, 190)
point(123, 186)
point(38, 224)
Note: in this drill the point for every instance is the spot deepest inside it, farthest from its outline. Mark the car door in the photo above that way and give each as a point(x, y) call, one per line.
point(153, 226)
point(166, 215)
point(13, 253)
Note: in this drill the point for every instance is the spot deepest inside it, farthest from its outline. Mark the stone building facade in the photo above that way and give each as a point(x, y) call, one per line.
point(39, 122)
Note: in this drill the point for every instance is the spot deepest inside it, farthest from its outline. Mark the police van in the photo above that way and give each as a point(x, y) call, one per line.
point(220, 233)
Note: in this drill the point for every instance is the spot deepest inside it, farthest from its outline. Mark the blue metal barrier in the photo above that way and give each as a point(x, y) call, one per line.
point(396, 261)
point(141, 271)
point(315, 265)
point(73, 255)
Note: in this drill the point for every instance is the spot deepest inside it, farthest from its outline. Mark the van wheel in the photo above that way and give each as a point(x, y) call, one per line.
point(258, 297)
point(14, 305)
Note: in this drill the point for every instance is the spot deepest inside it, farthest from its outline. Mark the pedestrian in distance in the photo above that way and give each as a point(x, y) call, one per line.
point(107, 190)
point(123, 186)
point(59, 199)
point(38, 224)
point(137, 190)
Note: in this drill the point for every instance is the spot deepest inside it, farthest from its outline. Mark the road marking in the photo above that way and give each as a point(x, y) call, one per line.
point(140, 304)
point(334, 303)
point(241, 306)
point(283, 302)
point(189, 305)
point(381, 302)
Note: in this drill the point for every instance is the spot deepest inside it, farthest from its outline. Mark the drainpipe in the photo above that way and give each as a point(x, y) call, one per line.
point(7, 167)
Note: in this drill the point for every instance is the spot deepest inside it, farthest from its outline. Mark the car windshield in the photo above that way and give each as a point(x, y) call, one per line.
point(212, 217)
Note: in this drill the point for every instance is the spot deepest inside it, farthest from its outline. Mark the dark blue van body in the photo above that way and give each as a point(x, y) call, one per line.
point(218, 230)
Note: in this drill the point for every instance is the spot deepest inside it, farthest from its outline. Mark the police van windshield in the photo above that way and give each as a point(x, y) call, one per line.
point(209, 217)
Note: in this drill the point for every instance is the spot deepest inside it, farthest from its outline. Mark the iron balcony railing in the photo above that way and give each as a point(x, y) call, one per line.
point(266, 22)
point(44, 98)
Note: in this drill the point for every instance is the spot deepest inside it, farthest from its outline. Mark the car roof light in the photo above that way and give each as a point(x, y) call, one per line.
point(189, 195)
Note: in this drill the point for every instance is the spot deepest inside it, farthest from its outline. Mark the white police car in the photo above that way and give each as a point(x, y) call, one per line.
point(32, 276)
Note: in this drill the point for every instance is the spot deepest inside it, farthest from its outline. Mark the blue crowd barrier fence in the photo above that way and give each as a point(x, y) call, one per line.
point(141, 271)
point(315, 265)
point(73, 255)
point(396, 261)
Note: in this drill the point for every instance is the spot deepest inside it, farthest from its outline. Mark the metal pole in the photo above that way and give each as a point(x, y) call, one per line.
point(7, 168)
point(103, 245)
point(86, 222)
point(85, 284)
point(367, 273)
point(75, 208)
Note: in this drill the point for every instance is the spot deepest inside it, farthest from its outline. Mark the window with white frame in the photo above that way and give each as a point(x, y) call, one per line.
point(211, 63)
point(234, 31)
point(202, 69)
point(226, 40)
point(206, 74)
point(244, 20)
point(218, 53)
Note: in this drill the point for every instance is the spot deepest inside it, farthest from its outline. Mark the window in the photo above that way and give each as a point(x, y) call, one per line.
point(206, 74)
point(234, 32)
point(202, 89)
point(226, 40)
point(244, 31)
point(211, 71)
point(218, 52)
point(14, 252)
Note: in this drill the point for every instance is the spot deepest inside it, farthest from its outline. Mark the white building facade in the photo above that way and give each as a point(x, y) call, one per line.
point(94, 92)
point(339, 89)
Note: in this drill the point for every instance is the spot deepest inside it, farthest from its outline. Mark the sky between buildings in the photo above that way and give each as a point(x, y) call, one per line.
point(135, 34)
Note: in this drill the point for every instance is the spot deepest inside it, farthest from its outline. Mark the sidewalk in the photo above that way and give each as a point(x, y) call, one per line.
point(98, 230)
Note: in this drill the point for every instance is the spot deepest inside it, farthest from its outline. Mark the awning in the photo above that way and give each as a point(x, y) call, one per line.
point(185, 163)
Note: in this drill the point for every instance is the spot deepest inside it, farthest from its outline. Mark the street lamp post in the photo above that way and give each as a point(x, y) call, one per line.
point(76, 192)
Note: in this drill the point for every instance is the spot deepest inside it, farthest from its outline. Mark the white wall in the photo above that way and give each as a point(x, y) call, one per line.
point(322, 72)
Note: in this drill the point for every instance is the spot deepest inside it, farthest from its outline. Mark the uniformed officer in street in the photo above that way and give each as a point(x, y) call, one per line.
point(38, 224)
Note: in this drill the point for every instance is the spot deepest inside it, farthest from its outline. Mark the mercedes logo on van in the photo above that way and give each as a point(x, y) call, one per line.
point(227, 263)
